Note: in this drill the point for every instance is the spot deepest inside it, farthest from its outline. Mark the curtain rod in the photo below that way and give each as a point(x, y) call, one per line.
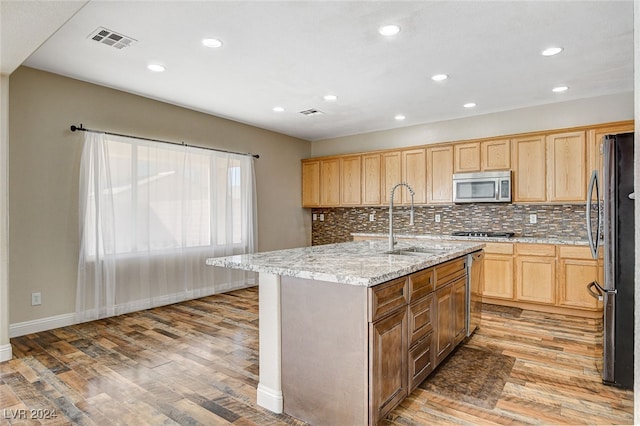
point(83, 129)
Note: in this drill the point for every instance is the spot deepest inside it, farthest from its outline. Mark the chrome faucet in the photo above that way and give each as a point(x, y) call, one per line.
point(392, 241)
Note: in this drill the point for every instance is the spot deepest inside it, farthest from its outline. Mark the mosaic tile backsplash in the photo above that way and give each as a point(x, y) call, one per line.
point(553, 221)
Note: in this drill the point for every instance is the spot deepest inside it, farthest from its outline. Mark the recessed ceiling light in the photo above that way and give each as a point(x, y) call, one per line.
point(550, 51)
point(156, 67)
point(278, 109)
point(559, 89)
point(400, 117)
point(439, 77)
point(211, 42)
point(469, 105)
point(389, 30)
point(330, 98)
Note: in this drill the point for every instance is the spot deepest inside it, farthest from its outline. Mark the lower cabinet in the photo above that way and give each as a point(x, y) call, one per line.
point(536, 273)
point(459, 310)
point(444, 327)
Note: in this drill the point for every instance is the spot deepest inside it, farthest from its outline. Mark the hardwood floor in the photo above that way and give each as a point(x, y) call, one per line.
point(197, 363)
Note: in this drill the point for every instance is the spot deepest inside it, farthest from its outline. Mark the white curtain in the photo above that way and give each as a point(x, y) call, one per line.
point(150, 214)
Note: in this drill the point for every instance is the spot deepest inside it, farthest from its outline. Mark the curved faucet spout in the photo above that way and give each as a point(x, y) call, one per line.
point(392, 241)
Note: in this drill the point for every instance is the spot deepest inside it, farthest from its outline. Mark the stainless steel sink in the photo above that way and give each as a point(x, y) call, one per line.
point(419, 251)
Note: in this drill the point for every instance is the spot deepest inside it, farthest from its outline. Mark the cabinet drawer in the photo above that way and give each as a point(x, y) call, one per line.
point(420, 318)
point(420, 361)
point(575, 252)
point(536, 249)
point(420, 284)
point(450, 271)
point(386, 298)
point(498, 248)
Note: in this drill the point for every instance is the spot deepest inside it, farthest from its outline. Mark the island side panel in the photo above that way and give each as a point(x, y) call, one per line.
point(324, 352)
point(269, 393)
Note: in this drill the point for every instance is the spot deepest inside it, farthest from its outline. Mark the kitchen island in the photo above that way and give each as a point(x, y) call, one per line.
point(348, 330)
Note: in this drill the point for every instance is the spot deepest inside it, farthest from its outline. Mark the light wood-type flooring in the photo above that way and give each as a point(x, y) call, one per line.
point(196, 363)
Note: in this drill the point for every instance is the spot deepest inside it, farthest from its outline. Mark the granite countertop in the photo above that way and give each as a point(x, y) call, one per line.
point(360, 263)
point(442, 237)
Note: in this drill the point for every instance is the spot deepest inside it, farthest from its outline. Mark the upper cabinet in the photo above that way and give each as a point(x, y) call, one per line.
point(414, 173)
point(546, 168)
point(440, 174)
point(567, 167)
point(530, 169)
point(482, 156)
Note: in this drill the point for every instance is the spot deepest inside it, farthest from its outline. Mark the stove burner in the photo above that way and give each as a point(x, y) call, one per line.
point(483, 234)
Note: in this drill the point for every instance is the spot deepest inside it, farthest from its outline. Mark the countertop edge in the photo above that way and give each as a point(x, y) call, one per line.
point(438, 237)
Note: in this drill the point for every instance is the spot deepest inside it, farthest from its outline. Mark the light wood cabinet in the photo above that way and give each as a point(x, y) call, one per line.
point(594, 143)
point(440, 174)
point(577, 268)
point(391, 175)
point(567, 167)
point(414, 173)
point(371, 171)
point(529, 169)
point(310, 183)
point(350, 180)
point(330, 182)
point(466, 157)
point(495, 155)
point(536, 273)
point(498, 270)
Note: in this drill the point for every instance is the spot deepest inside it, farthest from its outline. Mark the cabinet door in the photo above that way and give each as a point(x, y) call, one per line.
point(371, 179)
point(459, 310)
point(496, 155)
point(530, 171)
point(420, 361)
point(330, 182)
point(414, 164)
point(567, 167)
point(594, 143)
point(466, 157)
point(536, 279)
point(444, 326)
point(391, 175)
point(576, 269)
point(310, 183)
point(350, 180)
point(440, 174)
point(498, 276)
point(388, 374)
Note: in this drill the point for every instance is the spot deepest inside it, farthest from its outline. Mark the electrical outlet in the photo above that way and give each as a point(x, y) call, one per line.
point(533, 218)
point(321, 217)
point(314, 216)
point(372, 217)
point(36, 299)
point(438, 218)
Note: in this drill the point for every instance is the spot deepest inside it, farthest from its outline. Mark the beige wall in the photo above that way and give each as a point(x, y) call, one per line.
point(43, 182)
point(582, 112)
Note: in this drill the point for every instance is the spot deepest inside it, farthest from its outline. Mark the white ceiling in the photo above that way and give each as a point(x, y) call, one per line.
point(291, 54)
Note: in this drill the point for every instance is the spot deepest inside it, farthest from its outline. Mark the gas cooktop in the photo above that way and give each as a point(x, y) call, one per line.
point(499, 234)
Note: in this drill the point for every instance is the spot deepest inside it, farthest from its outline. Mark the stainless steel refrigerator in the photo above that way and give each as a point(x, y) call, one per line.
point(614, 217)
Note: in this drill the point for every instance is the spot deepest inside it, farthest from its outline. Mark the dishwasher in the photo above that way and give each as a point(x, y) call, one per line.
point(475, 287)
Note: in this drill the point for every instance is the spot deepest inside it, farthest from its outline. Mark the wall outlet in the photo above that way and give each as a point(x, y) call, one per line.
point(314, 216)
point(372, 217)
point(36, 299)
point(438, 218)
point(533, 218)
point(321, 217)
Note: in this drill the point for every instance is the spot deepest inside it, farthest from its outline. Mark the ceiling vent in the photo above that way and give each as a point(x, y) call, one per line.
point(111, 38)
point(311, 112)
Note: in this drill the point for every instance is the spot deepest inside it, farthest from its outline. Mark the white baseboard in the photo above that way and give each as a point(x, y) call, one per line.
point(270, 399)
point(41, 324)
point(5, 353)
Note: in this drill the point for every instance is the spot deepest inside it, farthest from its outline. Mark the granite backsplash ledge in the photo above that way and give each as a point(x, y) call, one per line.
point(553, 221)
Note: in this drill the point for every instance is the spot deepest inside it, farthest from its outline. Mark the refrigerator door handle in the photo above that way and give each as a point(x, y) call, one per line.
point(599, 293)
point(593, 242)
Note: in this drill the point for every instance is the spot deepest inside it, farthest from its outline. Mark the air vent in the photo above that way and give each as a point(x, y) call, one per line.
point(111, 38)
point(311, 112)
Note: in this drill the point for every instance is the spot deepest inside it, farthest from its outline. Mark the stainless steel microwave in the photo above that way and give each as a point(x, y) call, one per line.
point(482, 187)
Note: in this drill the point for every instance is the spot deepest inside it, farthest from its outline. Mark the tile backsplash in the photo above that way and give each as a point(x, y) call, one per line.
point(559, 221)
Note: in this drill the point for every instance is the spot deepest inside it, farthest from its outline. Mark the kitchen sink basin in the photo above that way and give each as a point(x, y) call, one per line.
point(419, 251)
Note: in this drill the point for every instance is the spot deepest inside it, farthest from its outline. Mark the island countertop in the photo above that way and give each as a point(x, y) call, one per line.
point(360, 263)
